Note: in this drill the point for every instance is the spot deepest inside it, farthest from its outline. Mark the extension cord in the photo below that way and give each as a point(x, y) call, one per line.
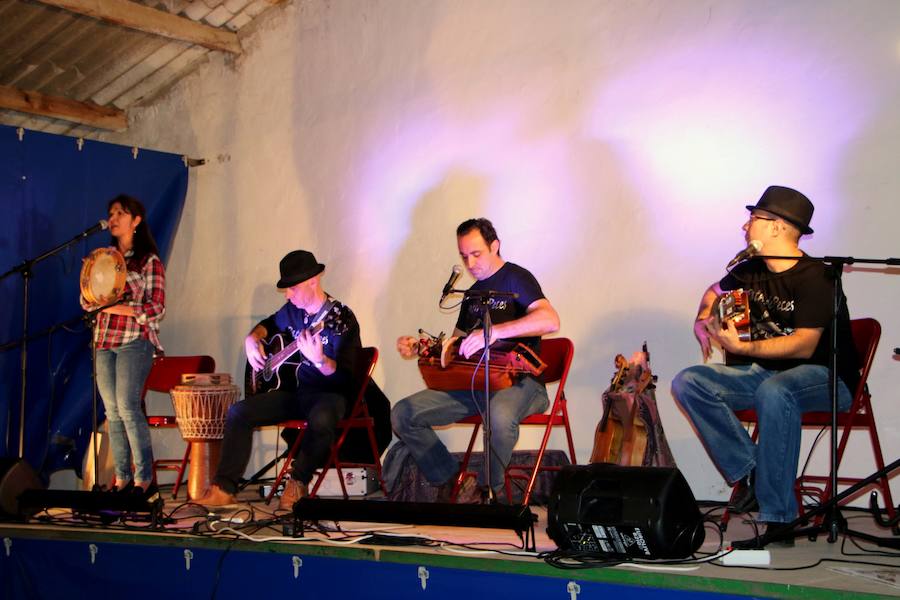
point(214, 518)
point(746, 558)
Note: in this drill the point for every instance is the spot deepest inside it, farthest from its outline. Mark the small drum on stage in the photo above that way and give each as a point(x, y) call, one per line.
point(103, 276)
point(201, 408)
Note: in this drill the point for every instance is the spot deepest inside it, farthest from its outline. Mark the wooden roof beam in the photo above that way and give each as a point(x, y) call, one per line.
point(86, 113)
point(149, 20)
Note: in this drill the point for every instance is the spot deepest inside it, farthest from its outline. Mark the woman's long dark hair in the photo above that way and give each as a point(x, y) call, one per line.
point(143, 242)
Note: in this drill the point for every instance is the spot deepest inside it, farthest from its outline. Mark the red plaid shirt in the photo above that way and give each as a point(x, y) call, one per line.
point(145, 289)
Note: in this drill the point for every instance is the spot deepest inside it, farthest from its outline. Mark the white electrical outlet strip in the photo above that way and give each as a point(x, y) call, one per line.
point(746, 558)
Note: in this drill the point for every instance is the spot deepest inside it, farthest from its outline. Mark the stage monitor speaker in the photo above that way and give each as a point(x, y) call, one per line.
point(620, 512)
point(16, 476)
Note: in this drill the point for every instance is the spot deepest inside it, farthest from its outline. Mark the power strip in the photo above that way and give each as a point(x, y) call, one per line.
point(746, 558)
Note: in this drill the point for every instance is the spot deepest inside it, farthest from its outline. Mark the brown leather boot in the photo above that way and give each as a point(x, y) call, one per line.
point(216, 496)
point(293, 490)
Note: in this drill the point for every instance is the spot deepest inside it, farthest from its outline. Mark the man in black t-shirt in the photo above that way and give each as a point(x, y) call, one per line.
point(781, 371)
point(314, 383)
point(524, 318)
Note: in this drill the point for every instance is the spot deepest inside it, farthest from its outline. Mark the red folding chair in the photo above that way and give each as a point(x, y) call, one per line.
point(358, 418)
point(164, 375)
point(557, 354)
point(866, 335)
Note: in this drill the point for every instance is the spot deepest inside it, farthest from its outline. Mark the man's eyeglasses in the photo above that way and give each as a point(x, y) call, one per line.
point(760, 218)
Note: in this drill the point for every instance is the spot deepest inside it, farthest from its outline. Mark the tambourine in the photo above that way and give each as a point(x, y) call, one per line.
point(103, 276)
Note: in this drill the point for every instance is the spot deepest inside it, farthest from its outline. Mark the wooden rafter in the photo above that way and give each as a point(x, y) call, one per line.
point(86, 113)
point(149, 20)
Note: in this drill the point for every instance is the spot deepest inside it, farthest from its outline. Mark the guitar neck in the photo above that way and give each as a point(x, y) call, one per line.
point(277, 359)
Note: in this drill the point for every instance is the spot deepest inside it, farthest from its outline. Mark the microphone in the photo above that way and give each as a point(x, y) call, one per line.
point(454, 277)
point(752, 249)
point(101, 225)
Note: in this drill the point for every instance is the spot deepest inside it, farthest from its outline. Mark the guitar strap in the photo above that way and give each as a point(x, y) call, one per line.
point(326, 306)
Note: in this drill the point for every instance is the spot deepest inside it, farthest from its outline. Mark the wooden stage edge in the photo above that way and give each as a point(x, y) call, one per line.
point(820, 582)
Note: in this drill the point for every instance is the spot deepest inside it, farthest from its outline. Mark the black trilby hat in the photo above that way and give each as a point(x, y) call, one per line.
point(298, 266)
point(789, 204)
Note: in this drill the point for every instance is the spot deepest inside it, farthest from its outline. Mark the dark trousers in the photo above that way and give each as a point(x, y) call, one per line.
point(322, 410)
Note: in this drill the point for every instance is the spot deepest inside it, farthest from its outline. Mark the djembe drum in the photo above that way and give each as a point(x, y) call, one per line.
point(201, 405)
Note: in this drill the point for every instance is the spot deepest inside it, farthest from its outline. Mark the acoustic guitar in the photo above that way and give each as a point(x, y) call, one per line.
point(283, 357)
point(734, 306)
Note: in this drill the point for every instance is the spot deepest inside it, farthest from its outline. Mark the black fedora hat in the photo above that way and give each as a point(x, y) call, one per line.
point(298, 266)
point(789, 204)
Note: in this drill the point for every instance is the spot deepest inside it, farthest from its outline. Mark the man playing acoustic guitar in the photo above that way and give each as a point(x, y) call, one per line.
point(301, 359)
point(781, 371)
point(524, 318)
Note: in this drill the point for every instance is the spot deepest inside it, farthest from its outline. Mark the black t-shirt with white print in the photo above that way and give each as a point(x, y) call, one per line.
point(508, 278)
point(800, 297)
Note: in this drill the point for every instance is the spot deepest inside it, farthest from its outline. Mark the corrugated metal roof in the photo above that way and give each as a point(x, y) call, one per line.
point(58, 53)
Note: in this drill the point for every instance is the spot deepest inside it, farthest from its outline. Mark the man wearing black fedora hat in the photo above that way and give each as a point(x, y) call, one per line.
point(314, 384)
point(779, 368)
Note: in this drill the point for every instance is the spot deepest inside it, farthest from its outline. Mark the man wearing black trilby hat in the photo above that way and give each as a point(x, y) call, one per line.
point(314, 384)
point(780, 369)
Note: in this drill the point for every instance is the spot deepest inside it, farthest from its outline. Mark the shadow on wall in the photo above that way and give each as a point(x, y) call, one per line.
point(867, 181)
point(420, 269)
point(350, 100)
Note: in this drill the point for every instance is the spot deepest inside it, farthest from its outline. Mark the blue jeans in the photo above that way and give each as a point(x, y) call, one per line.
point(710, 394)
point(414, 417)
point(121, 373)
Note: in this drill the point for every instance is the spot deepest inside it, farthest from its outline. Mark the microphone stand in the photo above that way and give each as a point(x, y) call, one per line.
point(834, 523)
point(483, 299)
point(25, 270)
point(788, 529)
point(90, 317)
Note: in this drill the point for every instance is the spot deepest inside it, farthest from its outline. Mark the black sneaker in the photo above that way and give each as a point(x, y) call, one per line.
point(150, 494)
point(743, 500)
point(765, 529)
point(787, 541)
point(125, 489)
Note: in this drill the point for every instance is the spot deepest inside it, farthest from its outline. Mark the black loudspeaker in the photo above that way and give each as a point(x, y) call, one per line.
point(16, 476)
point(620, 512)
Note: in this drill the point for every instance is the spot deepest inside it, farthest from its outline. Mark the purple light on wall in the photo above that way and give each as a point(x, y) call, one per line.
point(703, 127)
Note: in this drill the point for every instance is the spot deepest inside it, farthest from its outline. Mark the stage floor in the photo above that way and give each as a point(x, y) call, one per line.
point(811, 569)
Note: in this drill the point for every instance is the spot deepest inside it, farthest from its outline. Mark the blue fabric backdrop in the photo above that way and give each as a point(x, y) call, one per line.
point(49, 192)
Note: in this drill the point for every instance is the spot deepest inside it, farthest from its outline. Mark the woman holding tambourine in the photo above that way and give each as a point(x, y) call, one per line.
point(126, 336)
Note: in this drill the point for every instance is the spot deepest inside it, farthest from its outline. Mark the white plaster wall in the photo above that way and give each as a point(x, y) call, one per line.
point(613, 144)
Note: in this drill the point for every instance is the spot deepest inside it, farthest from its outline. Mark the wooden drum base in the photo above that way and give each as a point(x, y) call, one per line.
point(204, 462)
